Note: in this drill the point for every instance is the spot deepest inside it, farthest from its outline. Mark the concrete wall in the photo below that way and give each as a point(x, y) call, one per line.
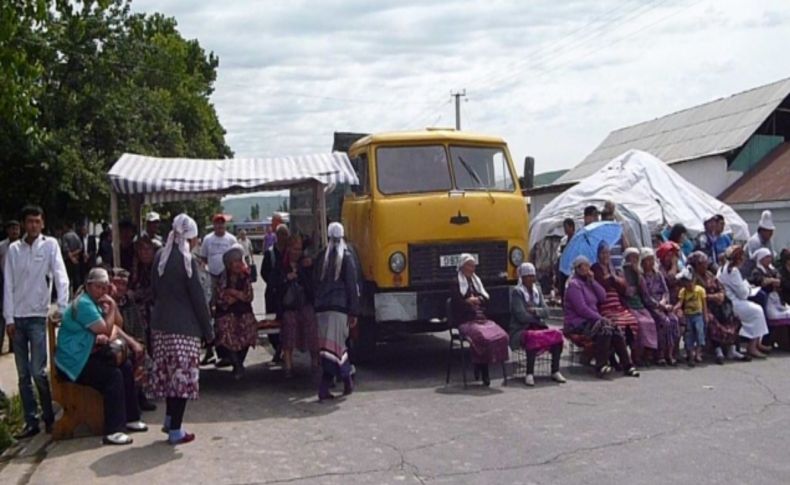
point(709, 174)
point(781, 214)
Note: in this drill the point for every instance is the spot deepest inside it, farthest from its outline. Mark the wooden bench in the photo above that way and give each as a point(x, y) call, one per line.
point(82, 405)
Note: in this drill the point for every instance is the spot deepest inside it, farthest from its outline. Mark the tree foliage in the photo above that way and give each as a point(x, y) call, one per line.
point(84, 82)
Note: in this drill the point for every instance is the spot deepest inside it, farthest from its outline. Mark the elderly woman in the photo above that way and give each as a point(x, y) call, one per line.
point(723, 325)
point(668, 255)
point(337, 308)
point(635, 296)
point(527, 327)
point(657, 300)
point(236, 327)
point(612, 307)
point(767, 277)
point(738, 290)
point(299, 328)
point(468, 300)
point(583, 296)
point(179, 319)
point(83, 356)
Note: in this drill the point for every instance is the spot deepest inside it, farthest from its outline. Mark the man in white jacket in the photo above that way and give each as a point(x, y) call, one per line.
point(30, 265)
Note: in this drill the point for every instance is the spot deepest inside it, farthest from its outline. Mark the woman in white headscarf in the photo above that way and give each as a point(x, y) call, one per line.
point(767, 277)
point(179, 319)
point(468, 300)
point(337, 307)
point(528, 329)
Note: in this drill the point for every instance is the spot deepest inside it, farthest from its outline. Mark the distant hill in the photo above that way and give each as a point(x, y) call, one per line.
point(240, 207)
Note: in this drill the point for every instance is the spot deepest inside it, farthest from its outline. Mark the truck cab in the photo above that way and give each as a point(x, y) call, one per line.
point(424, 198)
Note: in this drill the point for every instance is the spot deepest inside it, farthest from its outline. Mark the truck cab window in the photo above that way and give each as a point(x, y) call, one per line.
point(415, 169)
point(481, 168)
point(360, 164)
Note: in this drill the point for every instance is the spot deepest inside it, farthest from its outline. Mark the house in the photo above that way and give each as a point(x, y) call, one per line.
point(711, 145)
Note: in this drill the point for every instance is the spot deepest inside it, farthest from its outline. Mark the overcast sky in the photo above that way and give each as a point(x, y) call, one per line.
point(551, 77)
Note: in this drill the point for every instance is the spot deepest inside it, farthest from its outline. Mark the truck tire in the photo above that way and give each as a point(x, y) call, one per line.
point(363, 348)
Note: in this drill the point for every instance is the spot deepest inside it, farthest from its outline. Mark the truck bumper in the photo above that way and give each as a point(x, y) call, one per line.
point(427, 305)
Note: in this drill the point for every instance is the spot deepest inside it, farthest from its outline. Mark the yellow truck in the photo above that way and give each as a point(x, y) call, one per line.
point(424, 198)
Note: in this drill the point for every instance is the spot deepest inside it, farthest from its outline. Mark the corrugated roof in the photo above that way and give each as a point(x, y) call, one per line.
point(547, 178)
point(768, 181)
point(709, 129)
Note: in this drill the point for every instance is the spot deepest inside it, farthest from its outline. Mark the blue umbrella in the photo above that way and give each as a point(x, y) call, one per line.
point(586, 241)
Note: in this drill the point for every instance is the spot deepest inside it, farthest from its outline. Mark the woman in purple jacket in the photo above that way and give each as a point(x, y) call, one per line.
point(582, 297)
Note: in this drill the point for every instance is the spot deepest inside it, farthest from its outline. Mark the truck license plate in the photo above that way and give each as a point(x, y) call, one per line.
point(451, 260)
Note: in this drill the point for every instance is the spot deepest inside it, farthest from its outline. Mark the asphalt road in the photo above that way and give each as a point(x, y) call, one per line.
point(712, 424)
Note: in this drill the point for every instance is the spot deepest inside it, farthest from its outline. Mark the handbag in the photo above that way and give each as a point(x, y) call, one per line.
point(114, 353)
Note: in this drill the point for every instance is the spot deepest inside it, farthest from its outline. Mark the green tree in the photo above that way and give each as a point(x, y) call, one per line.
point(109, 82)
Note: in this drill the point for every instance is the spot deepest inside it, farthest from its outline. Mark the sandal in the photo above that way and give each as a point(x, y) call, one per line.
point(604, 371)
point(632, 372)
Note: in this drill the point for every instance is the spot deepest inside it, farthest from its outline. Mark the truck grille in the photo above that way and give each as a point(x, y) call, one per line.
point(425, 268)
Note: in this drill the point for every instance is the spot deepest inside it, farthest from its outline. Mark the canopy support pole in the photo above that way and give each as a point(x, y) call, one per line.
point(116, 231)
point(320, 199)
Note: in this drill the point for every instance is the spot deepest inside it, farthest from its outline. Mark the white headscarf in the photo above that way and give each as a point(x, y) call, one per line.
point(758, 255)
point(336, 241)
point(463, 282)
point(184, 229)
point(528, 269)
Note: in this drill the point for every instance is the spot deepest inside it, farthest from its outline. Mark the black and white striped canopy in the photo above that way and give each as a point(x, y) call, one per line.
point(170, 179)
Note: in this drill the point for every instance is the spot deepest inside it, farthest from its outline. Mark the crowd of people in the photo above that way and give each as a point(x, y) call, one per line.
point(136, 331)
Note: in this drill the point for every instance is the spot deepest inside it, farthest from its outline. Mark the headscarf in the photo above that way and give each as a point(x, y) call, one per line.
point(234, 253)
point(463, 282)
point(733, 252)
point(697, 257)
point(666, 249)
point(580, 260)
point(95, 275)
point(533, 295)
point(645, 253)
point(338, 244)
point(629, 252)
point(760, 254)
point(184, 229)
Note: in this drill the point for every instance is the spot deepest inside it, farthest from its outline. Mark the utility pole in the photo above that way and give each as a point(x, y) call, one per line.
point(457, 95)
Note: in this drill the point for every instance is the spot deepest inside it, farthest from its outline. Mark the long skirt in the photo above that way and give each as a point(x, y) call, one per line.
point(489, 343)
point(778, 313)
point(332, 336)
point(237, 332)
point(612, 308)
point(648, 334)
point(668, 328)
point(540, 341)
point(753, 324)
point(175, 370)
point(299, 330)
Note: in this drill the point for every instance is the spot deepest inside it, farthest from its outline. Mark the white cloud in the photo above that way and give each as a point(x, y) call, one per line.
point(553, 78)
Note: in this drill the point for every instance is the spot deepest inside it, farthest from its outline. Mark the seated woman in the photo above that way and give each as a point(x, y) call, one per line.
point(777, 312)
point(527, 328)
point(668, 255)
point(738, 290)
point(612, 307)
point(656, 299)
point(723, 325)
point(236, 327)
point(583, 296)
point(83, 356)
point(299, 326)
point(635, 296)
point(468, 300)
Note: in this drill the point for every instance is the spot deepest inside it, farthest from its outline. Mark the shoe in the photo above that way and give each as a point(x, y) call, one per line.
point(632, 372)
point(238, 373)
point(661, 362)
point(208, 359)
point(327, 396)
point(485, 376)
point(137, 427)
point(278, 358)
point(223, 363)
point(187, 438)
point(558, 378)
point(698, 359)
point(672, 362)
point(348, 386)
point(28, 432)
point(690, 363)
point(529, 380)
point(117, 439)
point(734, 354)
point(720, 359)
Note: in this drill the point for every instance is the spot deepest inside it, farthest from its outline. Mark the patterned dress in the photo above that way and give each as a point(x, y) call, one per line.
point(667, 324)
point(175, 368)
point(723, 326)
point(613, 308)
point(236, 326)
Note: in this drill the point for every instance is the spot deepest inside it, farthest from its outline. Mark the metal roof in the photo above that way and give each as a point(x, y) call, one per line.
point(708, 129)
point(768, 181)
point(430, 135)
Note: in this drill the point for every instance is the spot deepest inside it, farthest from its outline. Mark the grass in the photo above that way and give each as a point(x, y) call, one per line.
point(11, 420)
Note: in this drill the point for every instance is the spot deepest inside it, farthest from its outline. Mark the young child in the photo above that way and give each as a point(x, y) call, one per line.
point(692, 300)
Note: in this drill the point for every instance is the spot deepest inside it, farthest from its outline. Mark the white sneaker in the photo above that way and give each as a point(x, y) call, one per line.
point(559, 378)
point(734, 354)
point(117, 439)
point(137, 427)
point(529, 380)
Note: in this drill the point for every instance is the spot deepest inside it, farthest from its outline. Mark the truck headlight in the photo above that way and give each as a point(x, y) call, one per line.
point(397, 262)
point(516, 256)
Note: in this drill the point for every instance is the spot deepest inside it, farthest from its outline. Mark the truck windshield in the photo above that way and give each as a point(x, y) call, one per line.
point(481, 168)
point(404, 170)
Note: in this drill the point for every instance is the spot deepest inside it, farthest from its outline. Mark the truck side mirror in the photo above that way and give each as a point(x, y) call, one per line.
point(528, 181)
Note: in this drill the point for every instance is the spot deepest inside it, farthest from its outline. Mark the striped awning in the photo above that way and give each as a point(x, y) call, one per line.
point(171, 179)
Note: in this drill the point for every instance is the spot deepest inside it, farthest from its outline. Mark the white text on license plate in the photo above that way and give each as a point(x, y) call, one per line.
point(451, 260)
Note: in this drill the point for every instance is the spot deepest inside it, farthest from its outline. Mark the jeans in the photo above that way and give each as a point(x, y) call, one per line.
point(30, 353)
point(695, 331)
point(116, 385)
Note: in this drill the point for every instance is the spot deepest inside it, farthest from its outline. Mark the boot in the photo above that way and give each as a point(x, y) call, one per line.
point(323, 388)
